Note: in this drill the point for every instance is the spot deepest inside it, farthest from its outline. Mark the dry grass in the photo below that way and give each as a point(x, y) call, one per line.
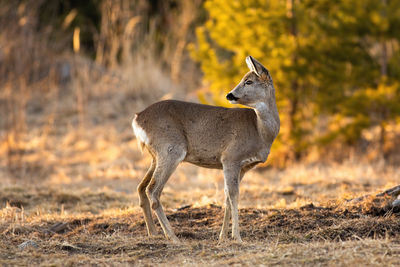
point(68, 189)
point(79, 207)
point(69, 167)
point(76, 201)
point(114, 234)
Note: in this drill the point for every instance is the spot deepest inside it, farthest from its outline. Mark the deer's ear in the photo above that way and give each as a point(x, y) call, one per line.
point(250, 64)
point(257, 68)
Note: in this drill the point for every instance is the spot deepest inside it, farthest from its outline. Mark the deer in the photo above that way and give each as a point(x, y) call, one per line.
point(232, 139)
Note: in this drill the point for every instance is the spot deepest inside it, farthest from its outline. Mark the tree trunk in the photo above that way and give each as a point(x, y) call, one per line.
point(294, 103)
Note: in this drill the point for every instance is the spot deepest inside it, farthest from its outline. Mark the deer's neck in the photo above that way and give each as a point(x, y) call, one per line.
point(268, 122)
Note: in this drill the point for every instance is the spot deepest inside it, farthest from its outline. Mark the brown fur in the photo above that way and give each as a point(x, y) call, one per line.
point(189, 124)
point(232, 139)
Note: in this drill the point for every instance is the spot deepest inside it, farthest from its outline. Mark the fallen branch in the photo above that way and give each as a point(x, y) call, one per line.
point(393, 192)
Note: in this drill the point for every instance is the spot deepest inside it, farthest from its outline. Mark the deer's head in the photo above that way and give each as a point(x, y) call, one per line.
point(255, 87)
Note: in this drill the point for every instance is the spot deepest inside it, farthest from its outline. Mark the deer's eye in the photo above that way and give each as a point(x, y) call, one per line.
point(248, 82)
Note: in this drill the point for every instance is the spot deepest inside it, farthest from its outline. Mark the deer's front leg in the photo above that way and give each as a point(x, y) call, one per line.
point(227, 217)
point(231, 179)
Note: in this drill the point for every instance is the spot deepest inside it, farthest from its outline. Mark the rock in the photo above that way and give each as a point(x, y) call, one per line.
point(396, 203)
point(28, 244)
point(67, 246)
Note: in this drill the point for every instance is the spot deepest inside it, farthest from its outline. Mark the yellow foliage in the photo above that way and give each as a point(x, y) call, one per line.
point(322, 56)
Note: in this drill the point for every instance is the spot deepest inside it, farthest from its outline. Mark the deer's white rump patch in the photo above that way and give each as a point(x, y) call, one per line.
point(140, 134)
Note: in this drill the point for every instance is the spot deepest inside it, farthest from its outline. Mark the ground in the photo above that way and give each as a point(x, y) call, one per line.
point(296, 216)
point(68, 197)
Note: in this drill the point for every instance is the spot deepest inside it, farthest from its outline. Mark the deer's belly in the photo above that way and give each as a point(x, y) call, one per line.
point(212, 162)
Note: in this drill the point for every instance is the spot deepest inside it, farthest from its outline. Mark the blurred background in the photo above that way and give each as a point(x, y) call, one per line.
point(73, 73)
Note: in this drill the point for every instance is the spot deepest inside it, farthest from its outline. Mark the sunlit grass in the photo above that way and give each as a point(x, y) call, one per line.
point(83, 176)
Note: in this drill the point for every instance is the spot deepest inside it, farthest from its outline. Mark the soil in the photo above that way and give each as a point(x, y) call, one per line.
point(121, 239)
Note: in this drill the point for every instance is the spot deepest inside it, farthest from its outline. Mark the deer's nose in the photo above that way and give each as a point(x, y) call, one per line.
point(231, 97)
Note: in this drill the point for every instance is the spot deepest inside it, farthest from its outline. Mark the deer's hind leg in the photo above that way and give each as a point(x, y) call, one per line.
point(144, 200)
point(168, 158)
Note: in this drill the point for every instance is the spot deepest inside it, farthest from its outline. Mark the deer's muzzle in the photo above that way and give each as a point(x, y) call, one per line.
point(231, 97)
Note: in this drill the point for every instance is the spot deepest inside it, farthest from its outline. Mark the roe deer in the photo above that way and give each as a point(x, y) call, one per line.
point(232, 139)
